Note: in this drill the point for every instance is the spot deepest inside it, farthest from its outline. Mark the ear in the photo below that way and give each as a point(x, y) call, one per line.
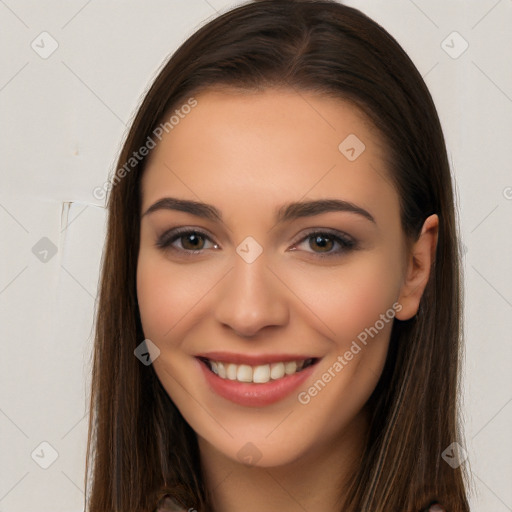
point(419, 264)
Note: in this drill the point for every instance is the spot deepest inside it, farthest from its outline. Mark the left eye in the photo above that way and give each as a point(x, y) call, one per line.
point(326, 241)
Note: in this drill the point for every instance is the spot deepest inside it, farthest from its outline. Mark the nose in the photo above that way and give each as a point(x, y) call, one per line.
point(251, 298)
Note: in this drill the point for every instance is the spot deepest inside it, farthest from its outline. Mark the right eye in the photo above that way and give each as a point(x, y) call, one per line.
point(192, 241)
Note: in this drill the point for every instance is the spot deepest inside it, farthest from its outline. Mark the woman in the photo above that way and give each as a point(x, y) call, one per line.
point(279, 316)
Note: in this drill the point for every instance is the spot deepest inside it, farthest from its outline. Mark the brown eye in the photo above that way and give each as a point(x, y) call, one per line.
point(325, 243)
point(192, 241)
point(189, 241)
point(328, 244)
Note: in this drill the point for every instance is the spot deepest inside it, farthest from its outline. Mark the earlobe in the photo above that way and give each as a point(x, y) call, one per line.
point(420, 262)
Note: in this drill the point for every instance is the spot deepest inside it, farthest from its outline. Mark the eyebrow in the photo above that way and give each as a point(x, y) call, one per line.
point(287, 212)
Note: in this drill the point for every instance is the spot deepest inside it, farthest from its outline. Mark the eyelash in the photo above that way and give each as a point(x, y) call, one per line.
point(346, 242)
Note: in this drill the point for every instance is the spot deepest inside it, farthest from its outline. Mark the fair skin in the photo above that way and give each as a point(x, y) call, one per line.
point(248, 155)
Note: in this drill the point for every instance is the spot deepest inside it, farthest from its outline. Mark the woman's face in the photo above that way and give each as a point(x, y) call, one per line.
point(266, 278)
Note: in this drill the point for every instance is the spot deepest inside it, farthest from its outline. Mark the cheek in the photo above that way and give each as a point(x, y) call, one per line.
point(356, 302)
point(164, 294)
point(366, 294)
point(155, 301)
point(349, 298)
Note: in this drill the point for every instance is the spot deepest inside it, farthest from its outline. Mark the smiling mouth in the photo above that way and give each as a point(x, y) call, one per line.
point(258, 374)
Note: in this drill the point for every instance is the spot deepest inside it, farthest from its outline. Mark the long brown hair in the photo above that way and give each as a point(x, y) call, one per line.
point(139, 446)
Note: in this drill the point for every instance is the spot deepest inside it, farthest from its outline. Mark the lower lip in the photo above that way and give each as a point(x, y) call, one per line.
point(255, 394)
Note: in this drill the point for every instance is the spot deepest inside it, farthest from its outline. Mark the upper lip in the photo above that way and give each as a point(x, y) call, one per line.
point(252, 359)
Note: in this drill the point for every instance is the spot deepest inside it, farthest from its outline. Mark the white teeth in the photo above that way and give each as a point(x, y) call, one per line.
point(221, 371)
point(276, 370)
point(257, 374)
point(261, 373)
point(244, 373)
point(290, 367)
point(231, 371)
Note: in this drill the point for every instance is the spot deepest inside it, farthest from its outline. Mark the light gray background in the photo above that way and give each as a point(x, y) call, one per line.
point(63, 119)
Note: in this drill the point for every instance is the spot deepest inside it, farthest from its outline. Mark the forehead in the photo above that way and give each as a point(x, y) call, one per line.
point(273, 145)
